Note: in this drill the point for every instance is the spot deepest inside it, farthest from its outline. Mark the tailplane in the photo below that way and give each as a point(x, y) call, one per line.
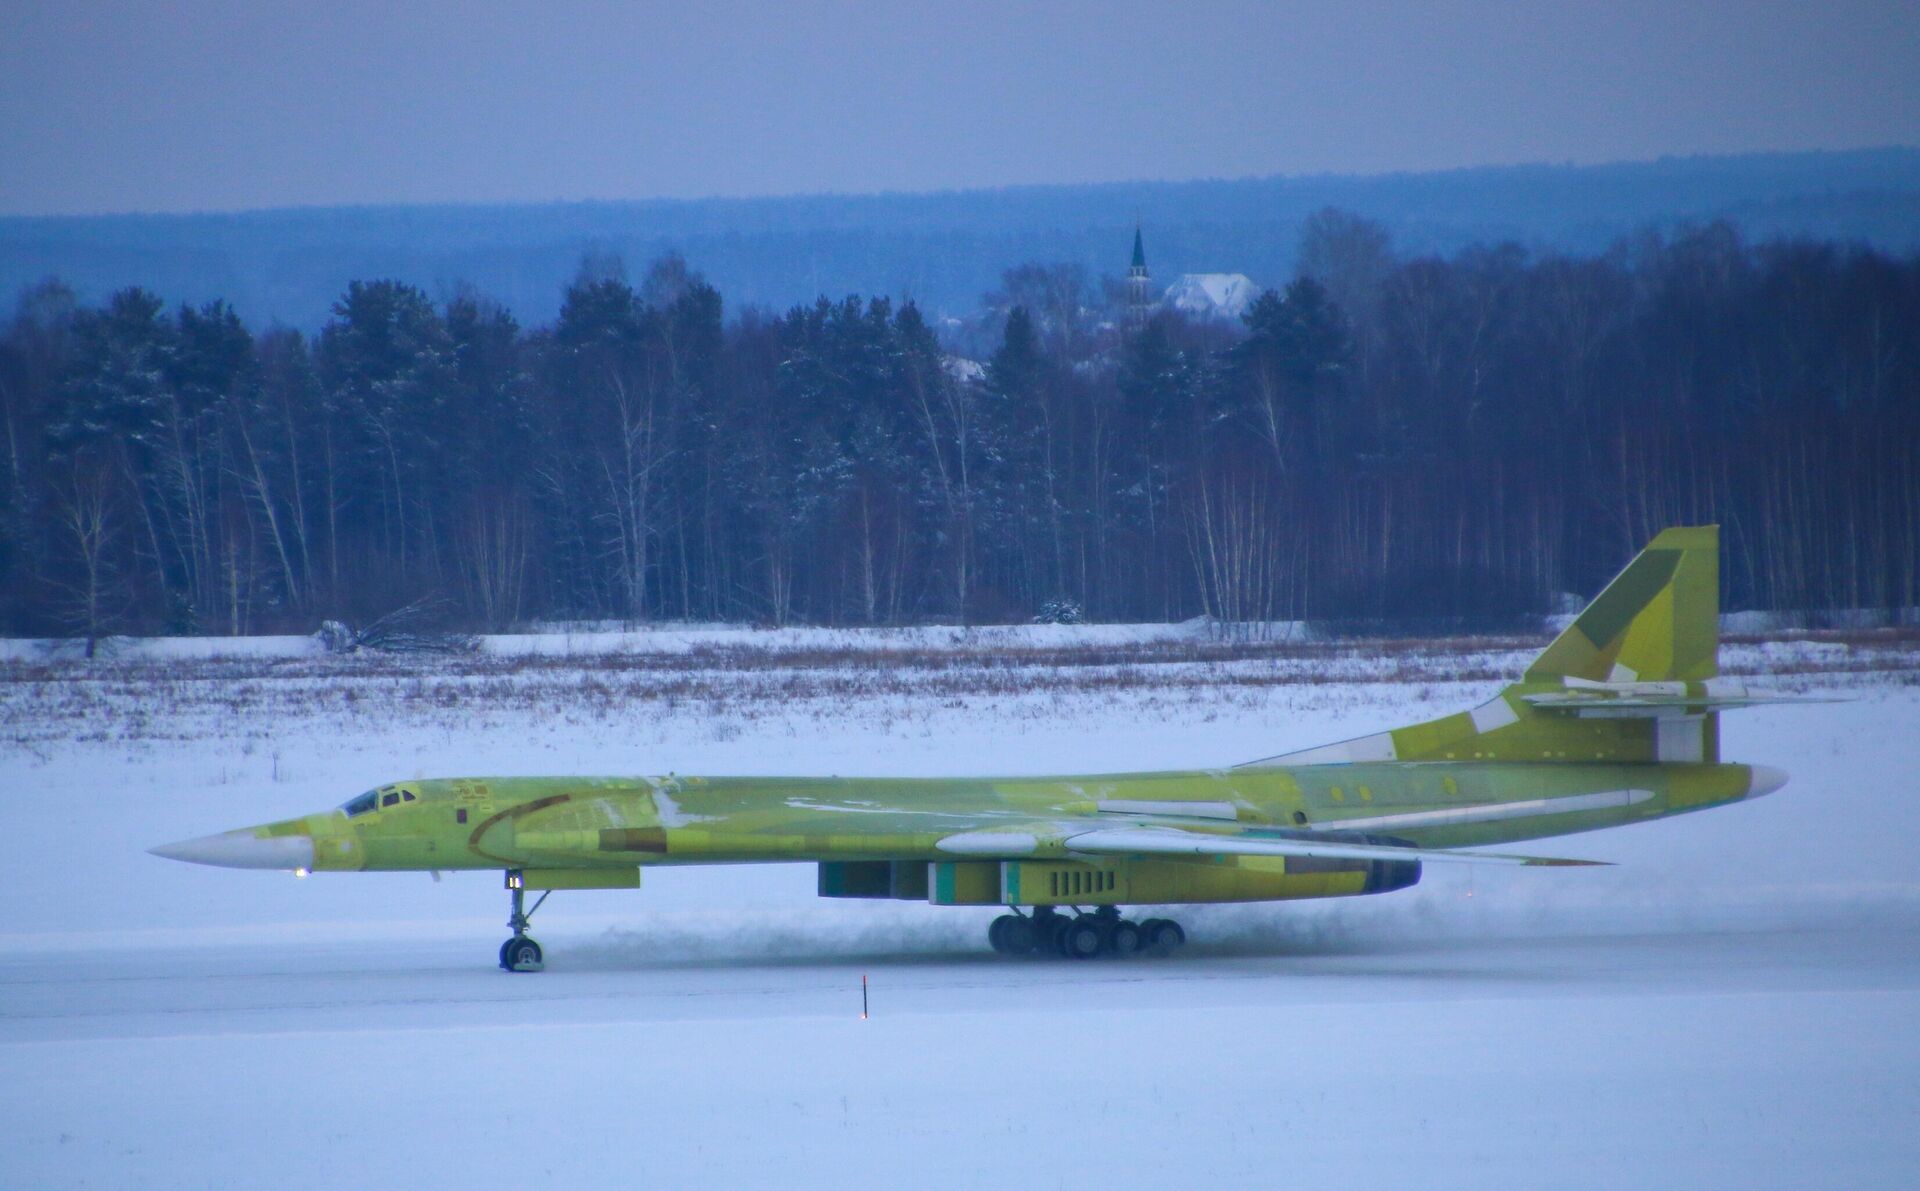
point(1634, 678)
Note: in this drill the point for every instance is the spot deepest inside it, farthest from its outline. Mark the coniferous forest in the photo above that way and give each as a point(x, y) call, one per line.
point(1384, 437)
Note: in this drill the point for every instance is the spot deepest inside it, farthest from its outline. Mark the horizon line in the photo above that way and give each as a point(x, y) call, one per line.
point(1566, 165)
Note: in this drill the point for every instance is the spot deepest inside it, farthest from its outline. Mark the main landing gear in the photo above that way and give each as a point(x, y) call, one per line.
point(1103, 932)
point(521, 953)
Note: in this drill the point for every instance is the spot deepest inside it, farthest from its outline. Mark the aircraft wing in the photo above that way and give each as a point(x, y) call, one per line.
point(1174, 841)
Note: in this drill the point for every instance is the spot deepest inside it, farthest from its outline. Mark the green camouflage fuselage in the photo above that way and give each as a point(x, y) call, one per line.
point(1616, 722)
point(620, 823)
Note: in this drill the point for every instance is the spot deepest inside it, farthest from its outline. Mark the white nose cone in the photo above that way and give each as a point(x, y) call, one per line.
point(1764, 779)
point(242, 849)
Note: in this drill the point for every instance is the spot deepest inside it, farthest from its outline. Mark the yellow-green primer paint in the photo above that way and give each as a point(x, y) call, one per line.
point(1513, 769)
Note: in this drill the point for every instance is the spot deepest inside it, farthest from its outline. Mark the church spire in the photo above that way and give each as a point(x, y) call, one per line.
point(1137, 281)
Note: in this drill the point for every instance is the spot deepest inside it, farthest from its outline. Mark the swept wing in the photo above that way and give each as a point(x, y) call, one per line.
point(1159, 840)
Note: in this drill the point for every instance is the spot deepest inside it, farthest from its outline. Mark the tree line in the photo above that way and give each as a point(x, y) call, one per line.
point(944, 249)
point(1386, 437)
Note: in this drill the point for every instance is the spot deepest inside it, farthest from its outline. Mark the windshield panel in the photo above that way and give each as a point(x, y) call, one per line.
point(361, 805)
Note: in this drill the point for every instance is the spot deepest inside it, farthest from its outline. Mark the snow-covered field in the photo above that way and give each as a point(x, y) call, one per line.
point(1736, 1004)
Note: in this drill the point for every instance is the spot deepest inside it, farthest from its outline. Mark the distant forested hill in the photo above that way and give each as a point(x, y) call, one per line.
point(943, 249)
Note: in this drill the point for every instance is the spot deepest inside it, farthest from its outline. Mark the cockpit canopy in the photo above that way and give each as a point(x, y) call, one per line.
point(374, 800)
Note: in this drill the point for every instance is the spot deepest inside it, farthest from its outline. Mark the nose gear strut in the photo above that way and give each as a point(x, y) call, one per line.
point(520, 953)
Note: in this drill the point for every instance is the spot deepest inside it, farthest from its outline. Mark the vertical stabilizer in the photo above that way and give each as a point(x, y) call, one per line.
point(1590, 697)
point(1658, 621)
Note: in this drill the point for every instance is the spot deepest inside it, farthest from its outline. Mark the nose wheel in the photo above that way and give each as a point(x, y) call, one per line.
point(1099, 934)
point(520, 953)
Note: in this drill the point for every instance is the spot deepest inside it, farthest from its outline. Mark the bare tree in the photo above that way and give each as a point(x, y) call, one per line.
point(95, 594)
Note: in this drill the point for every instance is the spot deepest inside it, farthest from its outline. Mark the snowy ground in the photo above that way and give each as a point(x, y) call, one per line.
point(1737, 1003)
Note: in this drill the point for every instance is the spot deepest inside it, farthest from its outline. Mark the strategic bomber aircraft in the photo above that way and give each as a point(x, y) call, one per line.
point(1617, 722)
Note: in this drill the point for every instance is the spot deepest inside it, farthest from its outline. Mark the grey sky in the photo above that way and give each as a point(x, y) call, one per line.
point(187, 106)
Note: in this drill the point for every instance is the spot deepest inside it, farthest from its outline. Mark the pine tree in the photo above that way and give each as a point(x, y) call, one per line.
point(386, 363)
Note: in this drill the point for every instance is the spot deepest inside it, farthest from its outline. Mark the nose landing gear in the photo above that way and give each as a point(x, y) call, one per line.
point(520, 953)
point(1094, 935)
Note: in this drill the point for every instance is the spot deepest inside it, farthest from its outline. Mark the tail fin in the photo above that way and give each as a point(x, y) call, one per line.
point(1592, 695)
point(1658, 621)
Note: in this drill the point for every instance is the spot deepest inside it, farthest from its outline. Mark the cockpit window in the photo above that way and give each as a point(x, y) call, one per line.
point(373, 800)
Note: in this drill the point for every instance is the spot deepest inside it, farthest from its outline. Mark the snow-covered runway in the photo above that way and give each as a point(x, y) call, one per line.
point(1736, 1004)
point(1752, 1057)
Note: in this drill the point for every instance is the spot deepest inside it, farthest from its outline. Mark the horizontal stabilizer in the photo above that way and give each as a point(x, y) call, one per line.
point(1628, 700)
point(1158, 841)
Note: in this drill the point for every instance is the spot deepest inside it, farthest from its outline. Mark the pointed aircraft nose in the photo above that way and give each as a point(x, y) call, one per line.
point(1764, 779)
point(242, 849)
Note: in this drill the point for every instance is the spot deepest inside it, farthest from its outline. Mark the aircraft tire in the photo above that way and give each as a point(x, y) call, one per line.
point(1055, 942)
point(1162, 936)
point(1019, 937)
point(1124, 939)
point(997, 934)
point(1085, 938)
point(523, 955)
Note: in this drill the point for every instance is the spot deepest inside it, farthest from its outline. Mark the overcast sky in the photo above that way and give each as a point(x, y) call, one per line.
point(190, 106)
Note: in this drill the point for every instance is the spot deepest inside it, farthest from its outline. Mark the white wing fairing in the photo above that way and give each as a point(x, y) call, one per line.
point(1170, 808)
point(1498, 812)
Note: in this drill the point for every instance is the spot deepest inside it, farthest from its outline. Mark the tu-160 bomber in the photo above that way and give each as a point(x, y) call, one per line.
point(1616, 722)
